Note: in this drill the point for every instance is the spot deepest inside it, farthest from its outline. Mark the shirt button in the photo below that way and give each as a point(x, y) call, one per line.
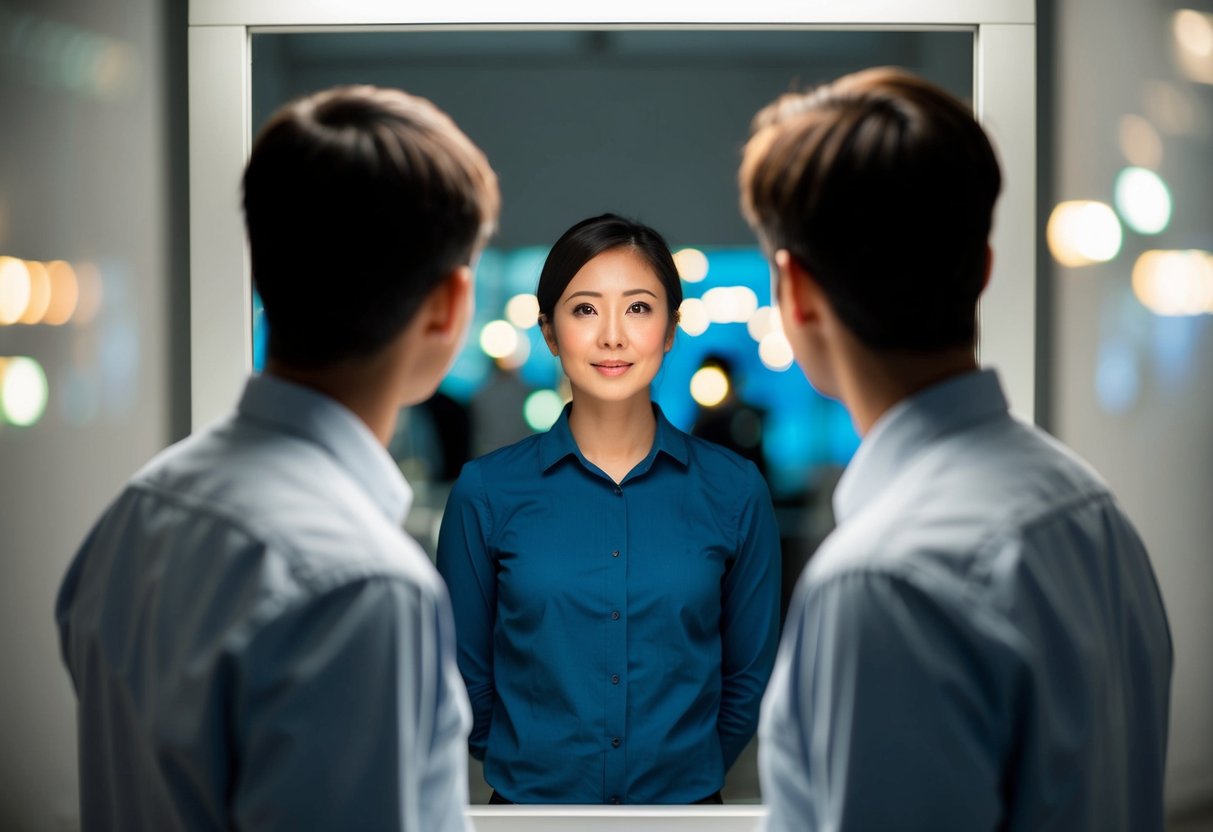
point(618, 491)
point(615, 799)
point(615, 553)
point(615, 615)
point(614, 678)
point(616, 742)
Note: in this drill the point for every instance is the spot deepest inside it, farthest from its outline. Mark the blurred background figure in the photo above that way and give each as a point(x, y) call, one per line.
point(723, 416)
point(498, 410)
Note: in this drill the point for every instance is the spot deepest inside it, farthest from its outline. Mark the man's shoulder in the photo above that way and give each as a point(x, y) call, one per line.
point(282, 497)
point(948, 507)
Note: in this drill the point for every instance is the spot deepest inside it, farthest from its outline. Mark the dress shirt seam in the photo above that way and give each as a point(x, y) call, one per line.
point(485, 509)
point(1020, 525)
point(906, 569)
point(313, 579)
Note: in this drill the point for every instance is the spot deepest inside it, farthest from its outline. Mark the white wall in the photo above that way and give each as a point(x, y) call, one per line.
point(84, 176)
point(1156, 449)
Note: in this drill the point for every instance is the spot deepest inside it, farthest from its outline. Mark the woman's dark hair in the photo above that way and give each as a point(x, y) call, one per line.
point(358, 202)
point(589, 238)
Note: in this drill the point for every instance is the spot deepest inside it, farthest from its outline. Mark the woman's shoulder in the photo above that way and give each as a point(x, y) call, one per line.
point(715, 460)
point(517, 458)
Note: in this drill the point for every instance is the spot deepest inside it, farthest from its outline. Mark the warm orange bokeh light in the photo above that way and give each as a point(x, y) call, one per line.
point(64, 293)
point(39, 293)
point(89, 281)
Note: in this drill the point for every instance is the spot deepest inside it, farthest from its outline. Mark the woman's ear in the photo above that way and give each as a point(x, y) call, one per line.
point(669, 338)
point(549, 334)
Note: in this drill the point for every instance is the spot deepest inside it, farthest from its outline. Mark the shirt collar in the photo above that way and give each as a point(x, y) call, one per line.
point(558, 443)
point(302, 412)
point(910, 425)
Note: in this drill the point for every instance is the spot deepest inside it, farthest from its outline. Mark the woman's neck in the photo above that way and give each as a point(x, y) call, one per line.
point(615, 436)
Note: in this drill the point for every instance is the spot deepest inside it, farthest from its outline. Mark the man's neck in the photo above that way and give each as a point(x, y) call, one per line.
point(871, 383)
point(363, 387)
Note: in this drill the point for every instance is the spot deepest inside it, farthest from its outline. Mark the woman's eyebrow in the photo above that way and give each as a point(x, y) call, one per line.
point(587, 293)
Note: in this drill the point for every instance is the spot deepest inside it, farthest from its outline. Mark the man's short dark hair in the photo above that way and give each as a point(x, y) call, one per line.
point(358, 201)
point(882, 186)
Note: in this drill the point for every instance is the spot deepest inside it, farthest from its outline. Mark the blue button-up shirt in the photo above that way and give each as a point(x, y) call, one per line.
point(979, 645)
point(615, 639)
point(254, 642)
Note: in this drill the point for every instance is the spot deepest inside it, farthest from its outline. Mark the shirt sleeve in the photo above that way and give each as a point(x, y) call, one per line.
point(749, 620)
point(467, 567)
point(881, 713)
point(350, 714)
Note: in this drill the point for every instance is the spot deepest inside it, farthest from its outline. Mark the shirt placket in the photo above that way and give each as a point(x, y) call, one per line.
point(616, 623)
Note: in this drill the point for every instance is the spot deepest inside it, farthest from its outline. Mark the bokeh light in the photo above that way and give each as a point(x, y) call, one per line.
point(39, 293)
point(745, 304)
point(23, 391)
point(730, 304)
point(14, 289)
point(1140, 142)
point(541, 409)
point(1082, 232)
point(1172, 109)
point(692, 264)
point(719, 304)
point(1174, 282)
point(709, 386)
point(693, 316)
point(90, 292)
point(776, 352)
point(498, 339)
point(64, 294)
point(1143, 200)
point(763, 322)
point(1193, 32)
point(1117, 376)
point(518, 356)
point(522, 311)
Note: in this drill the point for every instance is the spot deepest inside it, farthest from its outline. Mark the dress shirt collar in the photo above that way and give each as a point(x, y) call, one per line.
point(910, 425)
point(302, 412)
point(559, 443)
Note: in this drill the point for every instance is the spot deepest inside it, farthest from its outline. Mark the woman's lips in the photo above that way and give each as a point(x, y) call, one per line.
point(612, 368)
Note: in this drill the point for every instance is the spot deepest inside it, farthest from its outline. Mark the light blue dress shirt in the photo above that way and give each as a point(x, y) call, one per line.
point(255, 643)
point(979, 645)
point(615, 639)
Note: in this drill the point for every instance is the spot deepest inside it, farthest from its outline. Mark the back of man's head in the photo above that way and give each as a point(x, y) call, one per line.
point(358, 201)
point(882, 186)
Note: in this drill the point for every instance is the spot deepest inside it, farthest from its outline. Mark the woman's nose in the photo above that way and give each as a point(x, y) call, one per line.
point(612, 335)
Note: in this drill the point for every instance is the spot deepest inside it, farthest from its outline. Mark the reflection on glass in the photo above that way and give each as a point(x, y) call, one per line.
point(1143, 200)
point(1082, 232)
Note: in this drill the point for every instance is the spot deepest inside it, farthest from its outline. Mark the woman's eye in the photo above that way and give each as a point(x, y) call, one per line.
point(639, 308)
point(583, 309)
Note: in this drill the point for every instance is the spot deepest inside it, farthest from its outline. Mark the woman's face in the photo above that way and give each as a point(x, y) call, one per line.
point(611, 327)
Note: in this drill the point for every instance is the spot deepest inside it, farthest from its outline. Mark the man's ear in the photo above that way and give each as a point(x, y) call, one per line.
point(796, 288)
point(448, 308)
point(549, 335)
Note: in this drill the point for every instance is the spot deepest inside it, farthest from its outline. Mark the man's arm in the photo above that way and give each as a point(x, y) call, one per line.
point(885, 711)
point(350, 714)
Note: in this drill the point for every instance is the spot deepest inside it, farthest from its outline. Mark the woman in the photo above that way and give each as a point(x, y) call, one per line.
point(615, 581)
